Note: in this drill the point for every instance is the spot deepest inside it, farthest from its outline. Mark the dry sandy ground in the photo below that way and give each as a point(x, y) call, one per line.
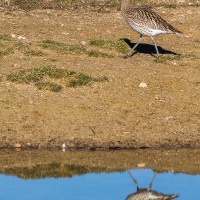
point(112, 114)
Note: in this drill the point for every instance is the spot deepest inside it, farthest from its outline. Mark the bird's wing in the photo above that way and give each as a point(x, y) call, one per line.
point(145, 17)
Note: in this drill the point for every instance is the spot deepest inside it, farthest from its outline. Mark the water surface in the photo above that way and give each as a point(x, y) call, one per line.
point(101, 186)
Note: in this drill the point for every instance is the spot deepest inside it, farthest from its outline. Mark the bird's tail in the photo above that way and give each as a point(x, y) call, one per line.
point(174, 31)
point(174, 196)
point(178, 32)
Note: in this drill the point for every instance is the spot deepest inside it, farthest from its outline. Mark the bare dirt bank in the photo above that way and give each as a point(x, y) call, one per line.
point(112, 114)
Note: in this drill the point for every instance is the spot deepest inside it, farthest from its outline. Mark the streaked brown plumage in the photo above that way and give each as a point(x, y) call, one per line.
point(145, 21)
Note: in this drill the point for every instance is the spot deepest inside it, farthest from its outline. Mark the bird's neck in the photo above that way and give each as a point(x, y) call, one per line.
point(125, 4)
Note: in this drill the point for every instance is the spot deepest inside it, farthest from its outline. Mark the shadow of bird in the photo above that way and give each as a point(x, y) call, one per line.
point(146, 48)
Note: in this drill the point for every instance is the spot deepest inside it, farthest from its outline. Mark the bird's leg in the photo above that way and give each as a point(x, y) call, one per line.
point(135, 181)
point(151, 184)
point(130, 52)
point(155, 45)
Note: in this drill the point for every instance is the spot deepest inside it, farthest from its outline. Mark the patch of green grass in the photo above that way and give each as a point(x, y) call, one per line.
point(96, 53)
point(192, 56)
point(115, 5)
point(54, 72)
point(98, 43)
point(74, 49)
point(54, 87)
point(22, 46)
point(101, 79)
point(84, 79)
point(34, 75)
point(120, 46)
point(62, 4)
point(80, 79)
point(5, 37)
point(80, 4)
point(26, 49)
point(31, 52)
point(2, 44)
point(1, 78)
point(111, 5)
point(62, 47)
point(44, 78)
point(6, 52)
point(8, 12)
point(171, 6)
point(162, 59)
point(27, 76)
point(28, 5)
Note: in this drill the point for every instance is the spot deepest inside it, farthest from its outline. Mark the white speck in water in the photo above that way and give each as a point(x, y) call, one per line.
point(63, 146)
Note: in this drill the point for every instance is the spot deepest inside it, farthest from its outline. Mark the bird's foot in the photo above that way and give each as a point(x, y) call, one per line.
point(126, 56)
point(157, 55)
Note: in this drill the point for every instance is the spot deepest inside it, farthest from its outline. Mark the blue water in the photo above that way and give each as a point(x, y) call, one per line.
point(103, 186)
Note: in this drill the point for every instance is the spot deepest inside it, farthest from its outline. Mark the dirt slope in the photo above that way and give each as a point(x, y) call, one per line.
point(116, 113)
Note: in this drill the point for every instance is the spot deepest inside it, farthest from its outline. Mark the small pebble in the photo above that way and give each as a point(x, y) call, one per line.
point(181, 1)
point(143, 85)
point(17, 145)
point(13, 35)
point(83, 43)
point(65, 33)
point(141, 165)
point(21, 37)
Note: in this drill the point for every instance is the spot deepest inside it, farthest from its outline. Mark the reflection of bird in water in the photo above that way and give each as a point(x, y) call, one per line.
point(145, 22)
point(147, 193)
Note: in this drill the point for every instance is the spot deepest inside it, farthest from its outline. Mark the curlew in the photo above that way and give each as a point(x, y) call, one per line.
point(147, 193)
point(146, 22)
